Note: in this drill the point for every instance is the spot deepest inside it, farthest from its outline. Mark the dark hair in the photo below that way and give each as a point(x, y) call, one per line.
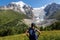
point(32, 24)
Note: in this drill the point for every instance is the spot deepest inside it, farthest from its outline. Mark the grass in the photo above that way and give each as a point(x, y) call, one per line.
point(50, 35)
point(7, 16)
point(45, 35)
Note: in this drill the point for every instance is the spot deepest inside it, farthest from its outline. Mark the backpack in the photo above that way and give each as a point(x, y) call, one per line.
point(32, 32)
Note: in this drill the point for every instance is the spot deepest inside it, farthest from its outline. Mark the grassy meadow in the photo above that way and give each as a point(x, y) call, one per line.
point(45, 35)
point(12, 27)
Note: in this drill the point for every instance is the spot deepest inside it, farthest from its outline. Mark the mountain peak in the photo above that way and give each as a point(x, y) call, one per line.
point(53, 3)
point(18, 3)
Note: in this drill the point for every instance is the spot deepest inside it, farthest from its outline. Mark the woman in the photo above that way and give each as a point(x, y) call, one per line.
point(31, 32)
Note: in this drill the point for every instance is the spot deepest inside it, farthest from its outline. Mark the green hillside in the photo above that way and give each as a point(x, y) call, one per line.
point(11, 22)
point(9, 15)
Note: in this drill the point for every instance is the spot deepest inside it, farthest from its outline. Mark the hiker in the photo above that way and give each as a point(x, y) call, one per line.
point(31, 32)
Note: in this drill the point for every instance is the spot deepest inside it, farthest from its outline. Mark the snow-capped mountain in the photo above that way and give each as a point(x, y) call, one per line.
point(38, 13)
point(19, 6)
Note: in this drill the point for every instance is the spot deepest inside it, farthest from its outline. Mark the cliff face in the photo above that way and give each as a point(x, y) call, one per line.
point(51, 9)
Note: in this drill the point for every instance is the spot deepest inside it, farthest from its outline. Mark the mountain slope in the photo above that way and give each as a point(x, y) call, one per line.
point(56, 15)
point(51, 9)
point(11, 22)
point(9, 15)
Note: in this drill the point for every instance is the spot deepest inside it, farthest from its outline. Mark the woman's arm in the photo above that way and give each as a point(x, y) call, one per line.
point(27, 33)
point(39, 32)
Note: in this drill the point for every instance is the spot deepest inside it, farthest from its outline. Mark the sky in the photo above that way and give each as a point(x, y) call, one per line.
point(33, 3)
